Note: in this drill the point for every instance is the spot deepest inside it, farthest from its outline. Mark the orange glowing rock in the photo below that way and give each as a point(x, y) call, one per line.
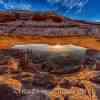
point(13, 83)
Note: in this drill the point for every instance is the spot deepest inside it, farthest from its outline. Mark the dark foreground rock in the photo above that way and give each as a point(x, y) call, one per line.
point(36, 96)
point(7, 93)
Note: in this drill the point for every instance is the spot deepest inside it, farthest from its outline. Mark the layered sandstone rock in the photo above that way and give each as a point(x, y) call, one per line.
point(45, 24)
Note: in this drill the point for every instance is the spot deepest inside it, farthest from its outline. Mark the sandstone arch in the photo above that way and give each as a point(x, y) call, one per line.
point(83, 41)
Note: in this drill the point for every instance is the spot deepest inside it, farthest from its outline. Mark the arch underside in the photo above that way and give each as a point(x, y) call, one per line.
point(90, 42)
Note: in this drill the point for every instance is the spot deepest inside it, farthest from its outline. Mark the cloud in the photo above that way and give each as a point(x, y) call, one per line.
point(18, 7)
point(97, 20)
point(1, 1)
point(68, 5)
point(62, 6)
point(11, 4)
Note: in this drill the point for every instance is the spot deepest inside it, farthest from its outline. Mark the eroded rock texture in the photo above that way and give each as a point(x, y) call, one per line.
point(56, 75)
point(45, 24)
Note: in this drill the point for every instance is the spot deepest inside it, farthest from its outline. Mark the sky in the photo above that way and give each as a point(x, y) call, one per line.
point(88, 10)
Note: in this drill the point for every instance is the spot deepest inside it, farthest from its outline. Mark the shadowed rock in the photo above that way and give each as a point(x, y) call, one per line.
point(36, 96)
point(7, 93)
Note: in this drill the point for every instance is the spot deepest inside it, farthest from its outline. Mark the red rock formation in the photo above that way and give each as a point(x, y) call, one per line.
point(6, 17)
